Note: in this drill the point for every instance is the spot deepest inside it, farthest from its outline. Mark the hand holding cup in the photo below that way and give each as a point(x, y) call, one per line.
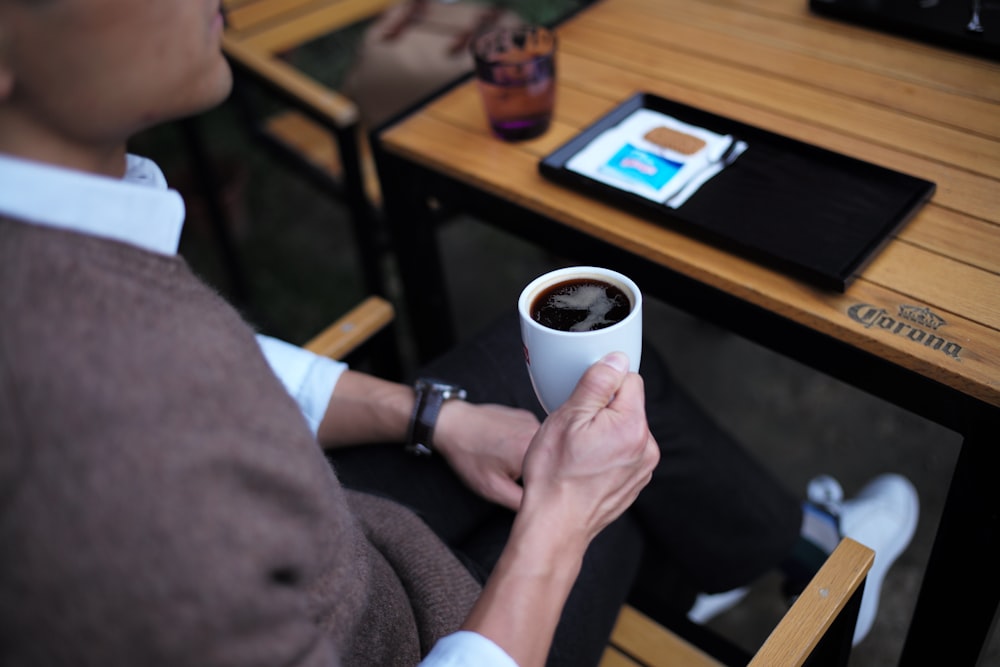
point(592, 457)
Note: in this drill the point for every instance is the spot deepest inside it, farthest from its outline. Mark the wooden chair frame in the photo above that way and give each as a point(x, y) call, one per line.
point(353, 329)
point(319, 132)
point(818, 629)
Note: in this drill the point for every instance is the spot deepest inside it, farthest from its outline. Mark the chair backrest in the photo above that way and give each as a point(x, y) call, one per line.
point(258, 33)
point(316, 130)
point(402, 57)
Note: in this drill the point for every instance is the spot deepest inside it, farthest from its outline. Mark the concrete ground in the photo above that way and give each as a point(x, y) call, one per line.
point(302, 272)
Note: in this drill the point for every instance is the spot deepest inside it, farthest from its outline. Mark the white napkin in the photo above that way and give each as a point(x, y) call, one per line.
point(656, 156)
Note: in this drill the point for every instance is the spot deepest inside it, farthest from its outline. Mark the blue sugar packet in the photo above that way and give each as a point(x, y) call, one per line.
point(642, 166)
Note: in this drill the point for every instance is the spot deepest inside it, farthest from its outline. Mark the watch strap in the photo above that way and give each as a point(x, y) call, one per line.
point(430, 396)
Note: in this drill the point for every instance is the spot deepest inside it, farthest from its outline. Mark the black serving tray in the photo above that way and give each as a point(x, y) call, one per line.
point(814, 214)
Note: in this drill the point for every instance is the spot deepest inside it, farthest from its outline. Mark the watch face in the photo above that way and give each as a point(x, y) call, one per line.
point(447, 389)
point(454, 392)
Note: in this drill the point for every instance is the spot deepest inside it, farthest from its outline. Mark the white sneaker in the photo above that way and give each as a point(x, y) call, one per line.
point(883, 517)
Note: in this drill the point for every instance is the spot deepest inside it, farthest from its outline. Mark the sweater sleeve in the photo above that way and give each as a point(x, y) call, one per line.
point(309, 378)
point(467, 649)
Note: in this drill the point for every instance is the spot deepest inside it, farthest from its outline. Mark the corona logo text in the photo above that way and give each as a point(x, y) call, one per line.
point(911, 322)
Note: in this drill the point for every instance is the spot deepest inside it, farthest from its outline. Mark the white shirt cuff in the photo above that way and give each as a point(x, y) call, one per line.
point(467, 649)
point(309, 378)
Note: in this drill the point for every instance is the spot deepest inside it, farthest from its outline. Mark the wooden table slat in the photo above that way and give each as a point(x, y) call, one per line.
point(928, 101)
point(971, 244)
point(957, 236)
point(793, 27)
point(967, 239)
point(845, 114)
point(933, 277)
point(958, 188)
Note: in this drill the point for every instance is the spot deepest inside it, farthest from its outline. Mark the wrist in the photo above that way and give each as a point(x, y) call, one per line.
point(366, 409)
point(560, 511)
point(553, 540)
point(523, 599)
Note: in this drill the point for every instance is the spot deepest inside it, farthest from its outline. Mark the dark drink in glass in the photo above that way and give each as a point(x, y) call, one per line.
point(515, 70)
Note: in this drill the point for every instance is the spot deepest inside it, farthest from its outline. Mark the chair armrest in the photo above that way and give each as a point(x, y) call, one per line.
point(815, 610)
point(639, 641)
point(321, 102)
point(352, 329)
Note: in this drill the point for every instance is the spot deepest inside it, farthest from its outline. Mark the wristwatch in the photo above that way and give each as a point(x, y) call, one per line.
point(431, 395)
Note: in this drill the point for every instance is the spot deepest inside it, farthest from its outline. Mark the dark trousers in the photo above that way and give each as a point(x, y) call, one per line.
point(711, 519)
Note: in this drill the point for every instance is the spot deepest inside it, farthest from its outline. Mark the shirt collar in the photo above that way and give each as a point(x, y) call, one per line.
point(138, 209)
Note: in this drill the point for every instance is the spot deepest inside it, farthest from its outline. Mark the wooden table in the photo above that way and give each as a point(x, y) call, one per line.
point(919, 327)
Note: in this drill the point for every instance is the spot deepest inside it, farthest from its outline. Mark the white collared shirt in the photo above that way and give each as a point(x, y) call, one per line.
point(141, 210)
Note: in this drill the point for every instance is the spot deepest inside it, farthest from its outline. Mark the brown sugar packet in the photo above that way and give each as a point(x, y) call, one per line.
point(674, 140)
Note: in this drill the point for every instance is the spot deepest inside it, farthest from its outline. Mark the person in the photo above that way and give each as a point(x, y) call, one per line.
point(163, 500)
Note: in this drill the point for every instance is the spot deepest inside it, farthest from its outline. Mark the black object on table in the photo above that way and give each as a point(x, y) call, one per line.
point(970, 26)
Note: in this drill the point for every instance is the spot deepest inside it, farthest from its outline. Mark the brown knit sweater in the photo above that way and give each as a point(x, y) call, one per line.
point(162, 501)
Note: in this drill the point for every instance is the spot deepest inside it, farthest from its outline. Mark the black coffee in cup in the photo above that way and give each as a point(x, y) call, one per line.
point(580, 304)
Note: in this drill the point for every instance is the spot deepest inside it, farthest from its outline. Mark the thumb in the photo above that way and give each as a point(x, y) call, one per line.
point(600, 382)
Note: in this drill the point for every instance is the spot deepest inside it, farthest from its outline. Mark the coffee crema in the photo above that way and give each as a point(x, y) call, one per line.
point(580, 304)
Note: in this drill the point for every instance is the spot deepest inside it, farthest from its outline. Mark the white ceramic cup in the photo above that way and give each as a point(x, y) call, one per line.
point(557, 359)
